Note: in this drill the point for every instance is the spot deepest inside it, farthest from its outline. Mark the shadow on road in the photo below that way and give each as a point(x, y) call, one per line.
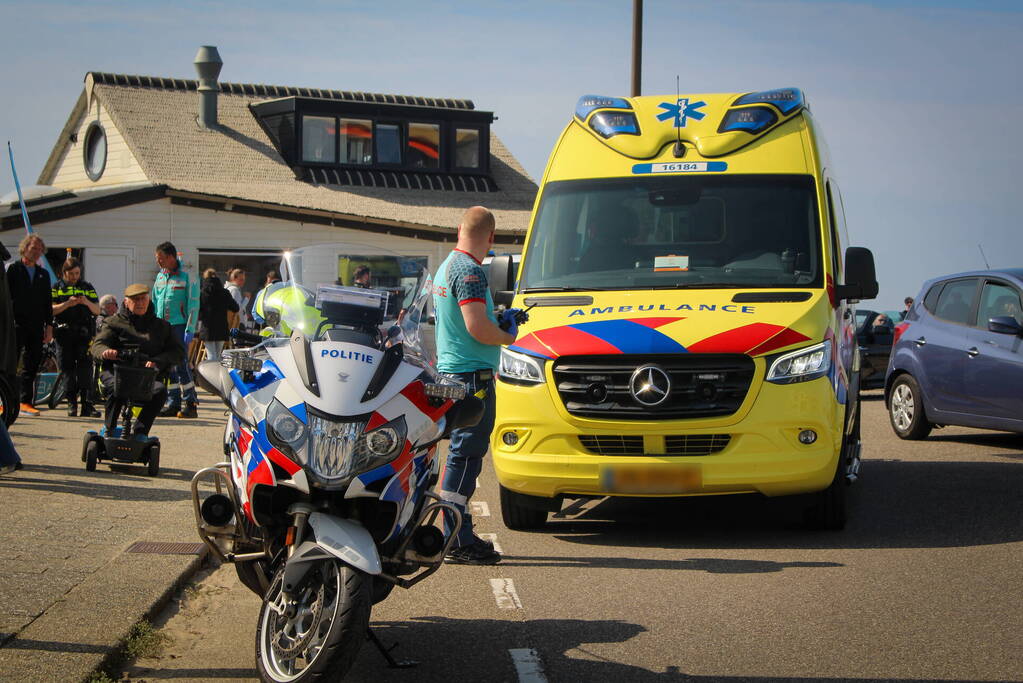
point(896, 504)
point(711, 565)
point(90, 485)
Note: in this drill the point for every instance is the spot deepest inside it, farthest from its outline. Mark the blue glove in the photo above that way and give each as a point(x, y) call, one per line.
point(509, 321)
point(189, 336)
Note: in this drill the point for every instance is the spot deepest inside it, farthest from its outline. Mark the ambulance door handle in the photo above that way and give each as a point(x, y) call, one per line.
point(972, 352)
point(920, 342)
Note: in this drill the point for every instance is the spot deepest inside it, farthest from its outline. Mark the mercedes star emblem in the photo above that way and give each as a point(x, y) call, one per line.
point(650, 385)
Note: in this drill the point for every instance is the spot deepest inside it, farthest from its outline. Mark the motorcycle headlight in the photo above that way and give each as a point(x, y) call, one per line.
point(802, 365)
point(284, 429)
point(341, 450)
point(518, 368)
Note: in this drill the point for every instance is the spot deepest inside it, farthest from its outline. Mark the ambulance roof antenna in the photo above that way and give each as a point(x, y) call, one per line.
point(679, 149)
point(983, 257)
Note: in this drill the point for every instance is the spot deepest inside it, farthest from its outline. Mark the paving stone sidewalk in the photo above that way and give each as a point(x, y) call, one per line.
point(69, 588)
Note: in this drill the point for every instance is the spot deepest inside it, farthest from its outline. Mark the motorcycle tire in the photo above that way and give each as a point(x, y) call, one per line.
point(332, 619)
point(59, 391)
point(9, 400)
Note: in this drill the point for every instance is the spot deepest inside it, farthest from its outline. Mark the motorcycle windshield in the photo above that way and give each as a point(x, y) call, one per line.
point(322, 298)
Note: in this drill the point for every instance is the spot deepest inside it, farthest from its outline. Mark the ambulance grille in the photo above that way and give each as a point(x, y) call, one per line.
point(702, 385)
point(675, 444)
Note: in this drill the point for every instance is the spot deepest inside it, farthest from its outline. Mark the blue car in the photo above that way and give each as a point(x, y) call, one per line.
point(958, 356)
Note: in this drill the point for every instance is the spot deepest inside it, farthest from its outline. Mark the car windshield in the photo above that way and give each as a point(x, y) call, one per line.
point(316, 300)
point(676, 232)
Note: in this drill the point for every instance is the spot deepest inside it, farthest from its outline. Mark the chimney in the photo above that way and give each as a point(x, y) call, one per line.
point(208, 65)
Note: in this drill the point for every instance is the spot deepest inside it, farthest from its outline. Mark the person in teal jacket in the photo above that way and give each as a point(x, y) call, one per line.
point(176, 300)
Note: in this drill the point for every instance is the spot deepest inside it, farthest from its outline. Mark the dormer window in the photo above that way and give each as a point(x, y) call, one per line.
point(335, 138)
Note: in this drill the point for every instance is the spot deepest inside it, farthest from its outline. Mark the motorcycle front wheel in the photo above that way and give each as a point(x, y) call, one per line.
point(319, 635)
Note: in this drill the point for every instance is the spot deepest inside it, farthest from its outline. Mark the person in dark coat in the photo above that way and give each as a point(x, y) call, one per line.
point(29, 286)
point(75, 307)
point(9, 458)
point(214, 303)
point(136, 325)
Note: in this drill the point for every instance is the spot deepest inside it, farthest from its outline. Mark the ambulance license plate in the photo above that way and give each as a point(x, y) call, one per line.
point(651, 479)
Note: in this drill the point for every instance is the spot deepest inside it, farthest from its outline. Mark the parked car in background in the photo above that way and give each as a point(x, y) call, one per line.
point(875, 333)
point(958, 356)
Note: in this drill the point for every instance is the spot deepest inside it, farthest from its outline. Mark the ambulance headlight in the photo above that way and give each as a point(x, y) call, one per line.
point(518, 368)
point(749, 119)
point(800, 366)
point(607, 124)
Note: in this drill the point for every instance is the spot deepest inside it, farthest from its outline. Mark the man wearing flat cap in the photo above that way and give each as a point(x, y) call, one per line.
point(136, 326)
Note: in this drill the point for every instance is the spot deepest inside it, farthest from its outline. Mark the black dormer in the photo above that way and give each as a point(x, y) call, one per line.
point(357, 141)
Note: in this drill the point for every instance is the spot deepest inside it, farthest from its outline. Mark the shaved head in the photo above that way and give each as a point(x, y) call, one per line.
point(477, 223)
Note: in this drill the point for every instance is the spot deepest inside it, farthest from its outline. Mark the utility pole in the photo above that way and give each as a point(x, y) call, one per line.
point(637, 45)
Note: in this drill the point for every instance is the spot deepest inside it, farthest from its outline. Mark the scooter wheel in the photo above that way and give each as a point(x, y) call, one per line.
point(91, 456)
point(153, 467)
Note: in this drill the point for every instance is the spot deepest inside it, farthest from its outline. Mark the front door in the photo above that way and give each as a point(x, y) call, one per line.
point(994, 365)
point(109, 270)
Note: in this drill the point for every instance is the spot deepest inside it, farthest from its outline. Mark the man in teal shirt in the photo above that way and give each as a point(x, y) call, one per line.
point(176, 300)
point(469, 341)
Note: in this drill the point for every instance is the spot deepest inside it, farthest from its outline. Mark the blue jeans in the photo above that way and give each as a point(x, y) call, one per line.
point(180, 375)
point(8, 456)
point(465, 459)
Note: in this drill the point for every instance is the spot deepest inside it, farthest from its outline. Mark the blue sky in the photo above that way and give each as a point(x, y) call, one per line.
point(920, 101)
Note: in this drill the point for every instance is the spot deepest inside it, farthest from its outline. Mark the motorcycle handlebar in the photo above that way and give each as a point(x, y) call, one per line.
point(245, 337)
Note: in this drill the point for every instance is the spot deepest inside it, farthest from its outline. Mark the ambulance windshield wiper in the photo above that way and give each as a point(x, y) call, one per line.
point(706, 285)
point(538, 290)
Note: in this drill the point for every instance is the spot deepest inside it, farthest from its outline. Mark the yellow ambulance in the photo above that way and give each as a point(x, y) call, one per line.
point(691, 328)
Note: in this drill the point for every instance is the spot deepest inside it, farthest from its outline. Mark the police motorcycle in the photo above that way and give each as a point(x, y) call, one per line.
point(325, 502)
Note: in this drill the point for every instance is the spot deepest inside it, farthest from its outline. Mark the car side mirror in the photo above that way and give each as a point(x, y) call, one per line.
point(501, 277)
point(1005, 324)
point(860, 276)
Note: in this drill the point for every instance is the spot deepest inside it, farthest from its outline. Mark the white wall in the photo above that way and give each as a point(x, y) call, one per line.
point(122, 166)
point(143, 226)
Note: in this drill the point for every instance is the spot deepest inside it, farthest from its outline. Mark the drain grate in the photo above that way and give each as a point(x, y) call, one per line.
point(152, 548)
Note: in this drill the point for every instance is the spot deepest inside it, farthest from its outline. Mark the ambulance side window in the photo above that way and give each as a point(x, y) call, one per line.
point(834, 216)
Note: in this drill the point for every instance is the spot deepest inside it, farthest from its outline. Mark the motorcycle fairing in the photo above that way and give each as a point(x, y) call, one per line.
point(340, 367)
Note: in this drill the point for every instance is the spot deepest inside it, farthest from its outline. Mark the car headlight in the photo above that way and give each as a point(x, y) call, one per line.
point(284, 429)
point(802, 365)
point(518, 368)
point(341, 450)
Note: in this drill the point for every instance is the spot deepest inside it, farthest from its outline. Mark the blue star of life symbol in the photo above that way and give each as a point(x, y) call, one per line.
point(681, 111)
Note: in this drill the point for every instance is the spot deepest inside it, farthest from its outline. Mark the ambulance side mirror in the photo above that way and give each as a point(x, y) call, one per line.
point(501, 279)
point(860, 276)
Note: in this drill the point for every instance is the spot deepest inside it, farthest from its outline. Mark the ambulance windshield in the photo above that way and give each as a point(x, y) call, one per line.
point(676, 232)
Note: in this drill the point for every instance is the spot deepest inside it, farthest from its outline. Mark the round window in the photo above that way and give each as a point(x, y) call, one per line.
point(95, 150)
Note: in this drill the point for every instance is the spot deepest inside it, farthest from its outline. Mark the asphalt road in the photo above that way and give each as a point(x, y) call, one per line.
point(923, 584)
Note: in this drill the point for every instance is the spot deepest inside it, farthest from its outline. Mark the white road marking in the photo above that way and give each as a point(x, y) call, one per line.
point(577, 508)
point(504, 594)
point(528, 665)
point(493, 539)
point(479, 509)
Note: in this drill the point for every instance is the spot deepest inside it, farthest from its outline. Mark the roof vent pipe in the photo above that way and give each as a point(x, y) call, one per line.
point(208, 65)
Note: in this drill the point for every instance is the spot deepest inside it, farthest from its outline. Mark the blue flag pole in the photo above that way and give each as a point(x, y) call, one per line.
point(24, 213)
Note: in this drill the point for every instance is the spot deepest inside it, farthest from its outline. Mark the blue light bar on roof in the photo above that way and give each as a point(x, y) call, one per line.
point(750, 119)
point(611, 123)
point(786, 100)
point(588, 103)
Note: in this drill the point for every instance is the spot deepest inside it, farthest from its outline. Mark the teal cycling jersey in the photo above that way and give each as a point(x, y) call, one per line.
point(176, 298)
point(461, 280)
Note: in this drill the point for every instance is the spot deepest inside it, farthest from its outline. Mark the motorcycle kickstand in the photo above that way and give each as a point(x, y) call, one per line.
point(392, 663)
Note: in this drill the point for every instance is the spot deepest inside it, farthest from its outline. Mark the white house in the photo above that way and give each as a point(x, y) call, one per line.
point(233, 174)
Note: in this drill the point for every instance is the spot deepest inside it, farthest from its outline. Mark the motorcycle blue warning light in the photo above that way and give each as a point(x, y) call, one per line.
point(751, 120)
point(786, 100)
point(588, 103)
point(611, 123)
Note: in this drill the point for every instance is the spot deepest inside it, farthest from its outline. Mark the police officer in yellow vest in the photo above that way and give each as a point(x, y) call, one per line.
point(75, 307)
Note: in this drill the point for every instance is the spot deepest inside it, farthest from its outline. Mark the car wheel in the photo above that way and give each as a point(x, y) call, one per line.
point(520, 516)
point(906, 409)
